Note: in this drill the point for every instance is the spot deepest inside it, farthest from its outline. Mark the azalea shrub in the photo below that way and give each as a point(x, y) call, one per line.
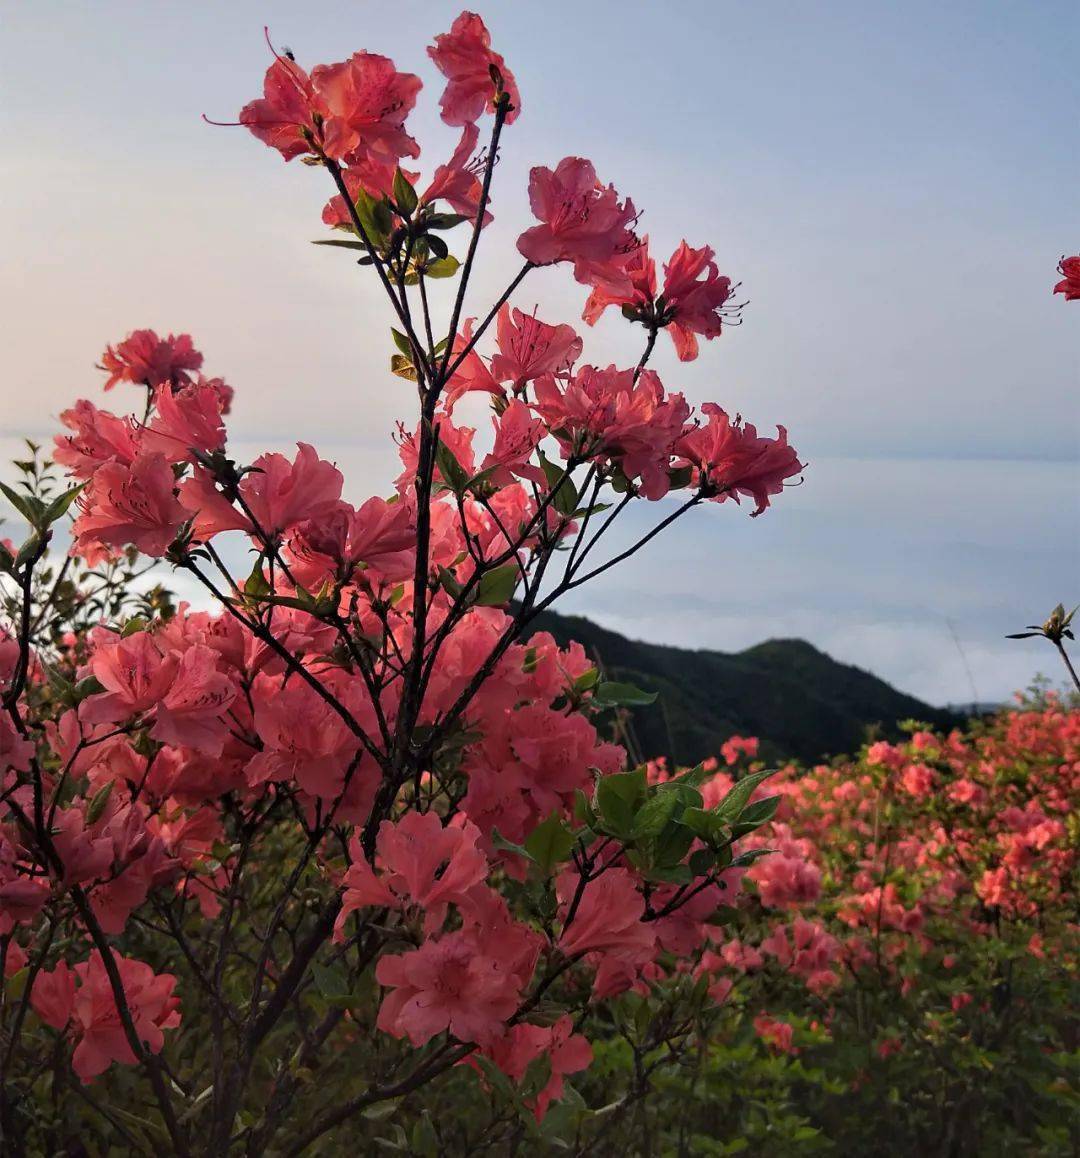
point(901, 974)
point(283, 872)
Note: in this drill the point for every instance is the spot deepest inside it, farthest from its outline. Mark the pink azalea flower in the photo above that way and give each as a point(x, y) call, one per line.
point(458, 181)
point(778, 1035)
point(303, 738)
point(380, 536)
point(89, 1010)
point(422, 864)
point(530, 348)
point(582, 222)
point(473, 373)
point(128, 504)
point(136, 675)
point(739, 745)
point(15, 751)
point(145, 359)
point(522, 1044)
point(517, 435)
point(695, 293)
point(279, 494)
point(918, 780)
point(606, 412)
point(693, 300)
point(367, 102)
point(191, 713)
point(1069, 268)
point(732, 459)
point(468, 982)
point(98, 437)
point(608, 918)
point(465, 57)
point(288, 115)
point(186, 420)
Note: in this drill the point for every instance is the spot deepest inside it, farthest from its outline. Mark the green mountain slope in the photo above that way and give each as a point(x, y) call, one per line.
point(799, 701)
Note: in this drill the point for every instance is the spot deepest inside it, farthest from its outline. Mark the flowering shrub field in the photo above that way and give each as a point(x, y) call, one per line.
point(354, 860)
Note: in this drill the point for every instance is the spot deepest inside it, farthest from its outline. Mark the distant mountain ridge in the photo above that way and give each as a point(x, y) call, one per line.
point(799, 701)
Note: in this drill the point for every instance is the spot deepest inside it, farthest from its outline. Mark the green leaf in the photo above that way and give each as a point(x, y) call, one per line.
point(583, 809)
point(256, 585)
point(708, 825)
point(59, 506)
point(98, 802)
point(445, 220)
point(402, 342)
point(500, 841)
point(29, 507)
point(341, 243)
point(381, 1110)
point(536, 1076)
point(701, 861)
point(653, 816)
point(587, 680)
point(496, 588)
point(404, 194)
point(452, 471)
point(329, 982)
point(438, 247)
point(612, 694)
point(736, 800)
point(424, 1141)
point(443, 267)
point(564, 493)
point(550, 843)
point(751, 855)
point(692, 777)
point(375, 216)
point(681, 477)
point(28, 550)
point(760, 812)
point(448, 581)
point(678, 874)
point(619, 797)
point(90, 686)
point(672, 845)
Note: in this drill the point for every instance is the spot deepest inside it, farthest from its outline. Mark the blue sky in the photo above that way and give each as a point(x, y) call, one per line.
point(892, 184)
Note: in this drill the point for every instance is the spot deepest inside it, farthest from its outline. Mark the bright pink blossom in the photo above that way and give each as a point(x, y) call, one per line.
point(522, 1044)
point(1069, 268)
point(279, 494)
point(469, 982)
point(465, 57)
point(89, 1010)
point(692, 302)
point(731, 459)
point(97, 437)
point(288, 116)
point(529, 348)
point(145, 359)
point(186, 420)
point(581, 221)
point(367, 102)
point(421, 863)
point(128, 504)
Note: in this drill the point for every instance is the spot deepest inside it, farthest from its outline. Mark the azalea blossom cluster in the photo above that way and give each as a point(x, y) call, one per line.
point(467, 861)
point(905, 872)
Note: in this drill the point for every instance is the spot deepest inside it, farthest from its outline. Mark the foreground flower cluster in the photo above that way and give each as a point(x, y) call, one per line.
point(359, 800)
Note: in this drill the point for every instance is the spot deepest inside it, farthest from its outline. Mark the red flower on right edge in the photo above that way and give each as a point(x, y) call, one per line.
point(1069, 268)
